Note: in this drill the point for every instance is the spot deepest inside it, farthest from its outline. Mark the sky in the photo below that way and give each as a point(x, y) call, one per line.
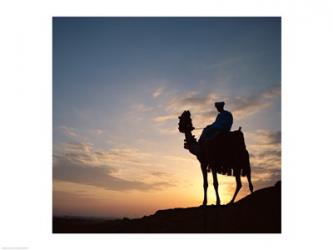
point(119, 85)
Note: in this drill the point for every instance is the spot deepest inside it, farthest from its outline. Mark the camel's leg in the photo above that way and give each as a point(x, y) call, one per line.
point(205, 183)
point(238, 187)
point(249, 181)
point(216, 187)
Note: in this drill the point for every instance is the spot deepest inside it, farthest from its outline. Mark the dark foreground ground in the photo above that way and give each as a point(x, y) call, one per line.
point(259, 212)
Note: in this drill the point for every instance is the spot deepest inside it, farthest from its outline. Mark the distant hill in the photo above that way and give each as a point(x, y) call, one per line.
point(259, 212)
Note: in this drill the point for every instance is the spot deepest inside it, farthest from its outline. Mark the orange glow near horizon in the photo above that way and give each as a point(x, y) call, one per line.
point(97, 202)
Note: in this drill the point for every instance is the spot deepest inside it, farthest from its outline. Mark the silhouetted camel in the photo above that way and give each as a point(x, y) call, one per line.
point(225, 154)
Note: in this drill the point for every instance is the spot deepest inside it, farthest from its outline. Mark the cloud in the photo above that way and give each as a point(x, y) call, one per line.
point(191, 101)
point(141, 108)
point(264, 177)
point(98, 176)
point(85, 153)
point(159, 174)
point(266, 137)
point(202, 107)
point(80, 163)
point(157, 92)
point(194, 100)
point(69, 131)
point(98, 131)
point(249, 105)
point(163, 118)
point(169, 131)
point(273, 137)
point(79, 135)
point(266, 161)
point(265, 157)
point(199, 105)
point(78, 152)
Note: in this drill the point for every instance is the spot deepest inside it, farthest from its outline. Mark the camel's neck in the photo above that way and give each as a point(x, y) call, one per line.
point(191, 143)
point(188, 136)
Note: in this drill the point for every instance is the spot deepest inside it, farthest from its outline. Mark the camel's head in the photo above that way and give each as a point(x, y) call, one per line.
point(185, 122)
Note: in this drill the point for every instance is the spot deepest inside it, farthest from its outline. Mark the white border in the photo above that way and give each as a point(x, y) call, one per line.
point(25, 217)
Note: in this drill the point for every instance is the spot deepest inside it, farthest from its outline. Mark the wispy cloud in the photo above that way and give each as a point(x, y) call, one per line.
point(192, 100)
point(159, 174)
point(265, 156)
point(199, 105)
point(98, 131)
point(81, 163)
point(157, 92)
point(169, 131)
point(202, 107)
point(163, 118)
point(71, 132)
point(98, 176)
point(265, 137)
point(141, 108)
point(249, 105)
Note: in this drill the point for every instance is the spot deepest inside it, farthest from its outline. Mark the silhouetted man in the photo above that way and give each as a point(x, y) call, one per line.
point(222, 123)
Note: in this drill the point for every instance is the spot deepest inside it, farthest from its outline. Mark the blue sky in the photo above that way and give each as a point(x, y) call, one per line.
point(120, 83)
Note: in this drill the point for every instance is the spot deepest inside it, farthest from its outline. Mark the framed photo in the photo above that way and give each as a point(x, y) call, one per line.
point(166, 125)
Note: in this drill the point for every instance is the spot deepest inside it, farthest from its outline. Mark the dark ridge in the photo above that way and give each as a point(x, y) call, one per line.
point(259, 212)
